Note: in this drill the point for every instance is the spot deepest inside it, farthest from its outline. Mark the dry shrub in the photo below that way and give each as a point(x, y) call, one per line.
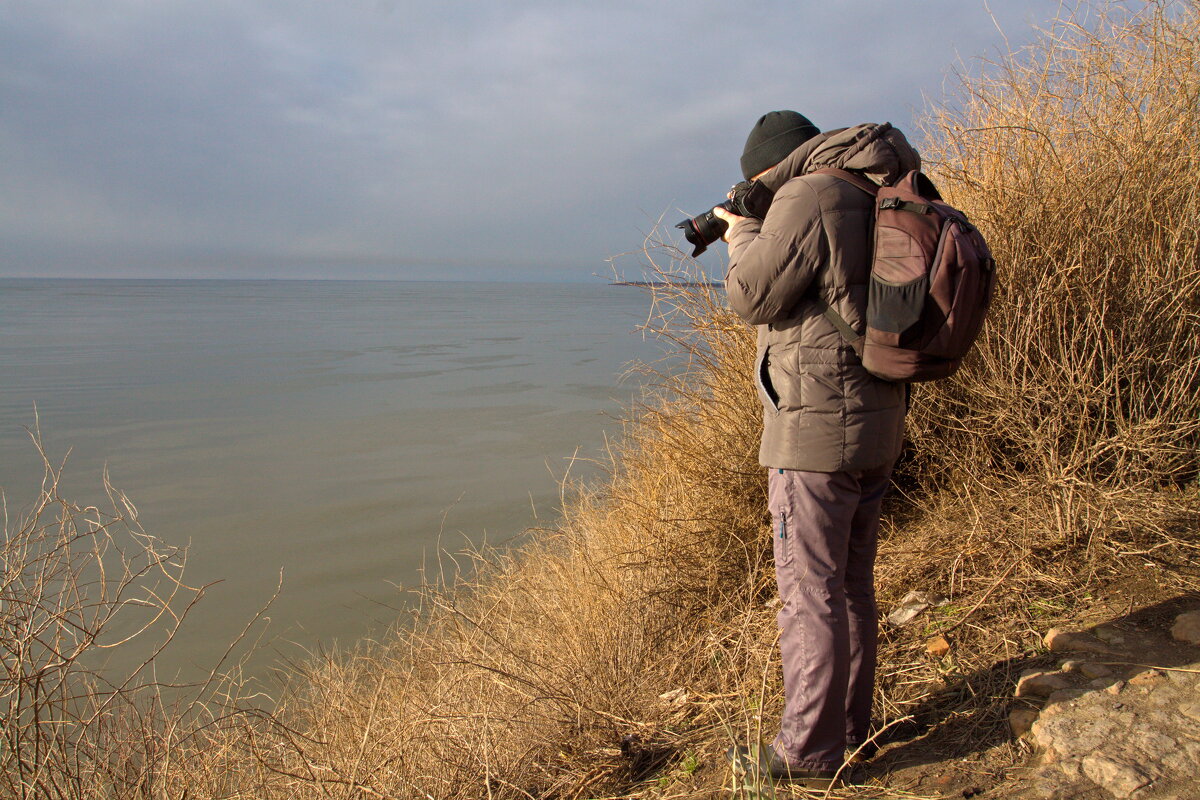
point(1078, 159)
point(1063, 458)
point(78, 584)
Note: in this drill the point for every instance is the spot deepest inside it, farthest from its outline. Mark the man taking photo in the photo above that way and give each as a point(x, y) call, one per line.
point(831, 430)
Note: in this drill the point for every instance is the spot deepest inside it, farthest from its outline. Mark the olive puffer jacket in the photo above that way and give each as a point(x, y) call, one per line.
point(822, 412)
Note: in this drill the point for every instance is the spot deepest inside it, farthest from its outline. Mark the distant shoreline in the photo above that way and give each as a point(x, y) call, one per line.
point(686, 284)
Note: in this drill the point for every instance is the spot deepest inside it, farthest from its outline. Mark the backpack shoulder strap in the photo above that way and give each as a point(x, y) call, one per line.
point(851, 178)
point(852, 337)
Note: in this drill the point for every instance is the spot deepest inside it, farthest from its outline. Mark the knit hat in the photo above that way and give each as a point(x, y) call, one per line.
point(773, 138)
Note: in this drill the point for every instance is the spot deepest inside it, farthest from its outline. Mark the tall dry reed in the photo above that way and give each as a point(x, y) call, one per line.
point(78, 584)
point(1078, 157)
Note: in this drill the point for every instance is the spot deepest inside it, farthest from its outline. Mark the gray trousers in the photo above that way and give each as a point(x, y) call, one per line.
point(826, 527)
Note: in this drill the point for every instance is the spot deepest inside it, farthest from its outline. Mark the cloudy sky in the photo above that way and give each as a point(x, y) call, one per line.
point(528, 139)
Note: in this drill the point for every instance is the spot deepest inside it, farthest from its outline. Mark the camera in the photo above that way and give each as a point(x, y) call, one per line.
point(746, 199)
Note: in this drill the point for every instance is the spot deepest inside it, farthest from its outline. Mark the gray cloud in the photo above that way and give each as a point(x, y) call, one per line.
point(400, 139)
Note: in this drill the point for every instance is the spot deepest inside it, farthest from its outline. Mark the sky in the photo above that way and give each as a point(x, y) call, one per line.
point(444, 140)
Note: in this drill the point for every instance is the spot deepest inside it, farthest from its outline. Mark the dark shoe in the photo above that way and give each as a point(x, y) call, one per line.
point(759, 763)
point(881, 736)
point(860, 753)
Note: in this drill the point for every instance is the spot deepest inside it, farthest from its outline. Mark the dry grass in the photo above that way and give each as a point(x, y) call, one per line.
point(620, 652)
point(1078, 158)
point(75, 584)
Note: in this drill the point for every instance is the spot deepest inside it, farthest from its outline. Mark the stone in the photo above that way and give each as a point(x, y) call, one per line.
point(1141, 743)
point(1064, 695)
point(1147, 678)
point(1163, 746)
point(1187, 628)
point(1090, 669)
point(1058, 640)
point(1049, 711)
point(1041, 684)
point(1109, 635)
point(1118, 777)
point(1021, 720)
point(937, 646)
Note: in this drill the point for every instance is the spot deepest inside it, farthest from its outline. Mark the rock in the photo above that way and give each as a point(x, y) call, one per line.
point(1175, 676)
point(1187, 628)
point(1092, 670)
point(1109, 635)
point(1119, 778)
point(1065, 695)
point(1146, 678)
point(1062, 641)
point(1180, 759)
point(937, 646)
point(1159, 743)
point(1049, 711)
point(1142, 744)
point(1021, 720)
point(1041, 684)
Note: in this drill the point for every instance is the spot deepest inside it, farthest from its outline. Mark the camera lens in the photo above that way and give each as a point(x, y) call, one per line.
point(703, 230)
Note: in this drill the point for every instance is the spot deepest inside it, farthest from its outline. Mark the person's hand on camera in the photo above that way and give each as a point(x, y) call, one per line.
point(729, 218)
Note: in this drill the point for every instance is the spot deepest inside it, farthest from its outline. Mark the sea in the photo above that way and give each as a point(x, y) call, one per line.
point(328, 444)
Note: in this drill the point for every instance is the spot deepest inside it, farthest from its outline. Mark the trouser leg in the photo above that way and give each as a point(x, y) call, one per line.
point(819, 528)
point(862, 614)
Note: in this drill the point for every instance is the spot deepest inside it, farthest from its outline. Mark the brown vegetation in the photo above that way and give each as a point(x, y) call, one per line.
point(620, 652)
point(76, 583)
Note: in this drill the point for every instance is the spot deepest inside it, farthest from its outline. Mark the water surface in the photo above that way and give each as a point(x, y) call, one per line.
point(341, 432)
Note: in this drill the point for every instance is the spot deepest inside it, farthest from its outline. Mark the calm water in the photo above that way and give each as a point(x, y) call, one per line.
point(339, 431)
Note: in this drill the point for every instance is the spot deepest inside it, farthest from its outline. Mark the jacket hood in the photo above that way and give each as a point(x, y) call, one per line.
point(878, 151)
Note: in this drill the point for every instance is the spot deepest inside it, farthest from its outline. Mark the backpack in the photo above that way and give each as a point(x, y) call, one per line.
point(932, 278)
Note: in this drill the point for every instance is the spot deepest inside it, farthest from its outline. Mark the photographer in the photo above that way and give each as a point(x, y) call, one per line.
point(831, 431)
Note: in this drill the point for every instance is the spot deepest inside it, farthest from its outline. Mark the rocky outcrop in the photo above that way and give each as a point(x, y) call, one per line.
point(1187, 628)
point(1107, 723)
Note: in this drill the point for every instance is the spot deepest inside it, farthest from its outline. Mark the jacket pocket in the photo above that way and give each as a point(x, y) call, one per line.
point(762, 379)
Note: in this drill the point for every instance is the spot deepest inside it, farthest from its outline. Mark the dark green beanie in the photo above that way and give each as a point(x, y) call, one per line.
point(773, 138)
